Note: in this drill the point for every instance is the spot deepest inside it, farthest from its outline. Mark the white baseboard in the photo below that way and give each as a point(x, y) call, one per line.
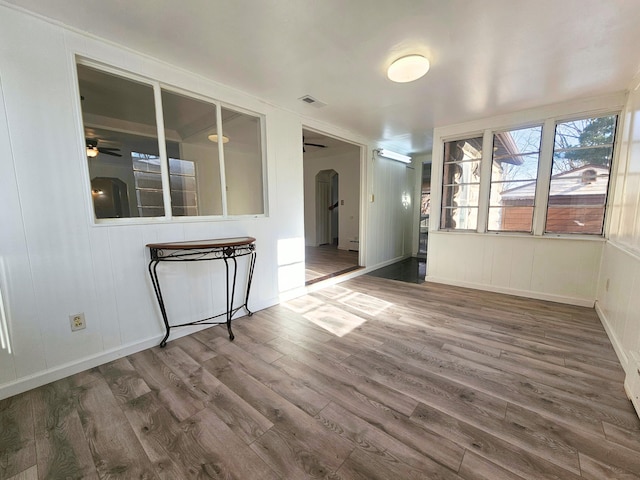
point(61, 371)
point(617, 346)
point(387, 263)
point(58, 372)
point(580, 302)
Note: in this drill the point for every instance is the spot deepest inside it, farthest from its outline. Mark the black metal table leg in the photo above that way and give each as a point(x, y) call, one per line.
point(230, 300)
point(252, 263)
point(153, 264)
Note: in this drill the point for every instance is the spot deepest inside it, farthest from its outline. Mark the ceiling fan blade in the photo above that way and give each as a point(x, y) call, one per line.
point(107, 152)
point(316, 145)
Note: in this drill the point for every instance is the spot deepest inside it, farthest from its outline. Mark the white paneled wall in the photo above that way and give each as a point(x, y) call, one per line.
point(618, 299)
point(557, 269)
point(55, 262)
point(390, 221)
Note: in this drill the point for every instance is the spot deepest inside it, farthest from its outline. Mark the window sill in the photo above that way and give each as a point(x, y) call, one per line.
point(120, 222)
point(523, 235)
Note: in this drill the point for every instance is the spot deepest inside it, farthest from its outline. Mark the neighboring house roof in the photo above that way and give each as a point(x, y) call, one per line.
point(586, 180)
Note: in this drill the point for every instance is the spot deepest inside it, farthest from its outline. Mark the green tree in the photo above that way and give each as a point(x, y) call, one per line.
point(584, 142)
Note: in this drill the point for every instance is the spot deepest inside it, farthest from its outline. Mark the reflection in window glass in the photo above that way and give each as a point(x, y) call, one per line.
point(461, 184)
point(582, 155)
point(243, 163)
point(194, 163)
point(127, 168)
point(514, 172)
point(107, 101)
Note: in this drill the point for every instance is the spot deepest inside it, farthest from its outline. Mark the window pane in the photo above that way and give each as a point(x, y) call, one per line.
point(575, 219)
point(461, 195)
point(243, 163)
point(460, 218)
point(461, 184)
point(511, 219)
point(580, 175)
point(194, 164)
point(119, 118)
point(514, 172)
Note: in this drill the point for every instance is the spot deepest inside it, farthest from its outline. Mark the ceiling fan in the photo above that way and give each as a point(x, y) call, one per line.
point(306, 144)
point(93, 150)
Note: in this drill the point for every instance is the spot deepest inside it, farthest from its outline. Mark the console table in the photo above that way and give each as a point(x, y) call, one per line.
point(227, 249)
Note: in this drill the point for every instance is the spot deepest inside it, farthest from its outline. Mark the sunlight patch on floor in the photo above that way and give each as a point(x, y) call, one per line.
point(303, 304)
point(334, 320)
point(334, 292)
point(365, 303)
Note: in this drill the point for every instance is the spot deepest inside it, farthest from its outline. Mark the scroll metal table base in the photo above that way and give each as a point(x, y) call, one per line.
point(228, 250)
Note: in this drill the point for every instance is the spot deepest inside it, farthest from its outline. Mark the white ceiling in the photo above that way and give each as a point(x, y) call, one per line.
point(488, 56)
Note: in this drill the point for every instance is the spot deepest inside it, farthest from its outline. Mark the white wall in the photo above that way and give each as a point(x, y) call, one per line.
point(54, 261)
point(557, 269)
point(561, 269)
point(618, 301)
point(390, 222)
point(347, 165)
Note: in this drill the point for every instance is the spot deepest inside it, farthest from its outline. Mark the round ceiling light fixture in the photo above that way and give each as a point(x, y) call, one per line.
point(214, 138)
point(407, 69)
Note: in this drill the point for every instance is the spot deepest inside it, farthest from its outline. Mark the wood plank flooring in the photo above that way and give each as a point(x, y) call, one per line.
point(368, 379)
point(326, 261)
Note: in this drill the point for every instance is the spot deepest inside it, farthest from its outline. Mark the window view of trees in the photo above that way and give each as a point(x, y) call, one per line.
point(514, 171)
point(582, 155)
point(578, 179)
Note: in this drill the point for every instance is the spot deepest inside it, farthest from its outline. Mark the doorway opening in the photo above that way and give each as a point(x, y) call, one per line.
point(332, 206)
point(425, 210)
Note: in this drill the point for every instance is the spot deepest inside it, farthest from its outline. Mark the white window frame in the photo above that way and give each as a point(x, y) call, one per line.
point(157, 87)
point(440, 173)
point(487, 128)
point(614, 146)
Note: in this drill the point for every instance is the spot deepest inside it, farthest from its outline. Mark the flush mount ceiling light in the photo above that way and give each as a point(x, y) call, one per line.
point(407, 69)
point(214, 138)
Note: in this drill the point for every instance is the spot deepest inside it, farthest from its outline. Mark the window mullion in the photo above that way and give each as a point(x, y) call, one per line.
point(485, 181)
point(162, 149)
point(541, 199)
point(223, 178)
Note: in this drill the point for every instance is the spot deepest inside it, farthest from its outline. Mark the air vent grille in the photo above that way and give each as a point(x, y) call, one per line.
point(309, 100)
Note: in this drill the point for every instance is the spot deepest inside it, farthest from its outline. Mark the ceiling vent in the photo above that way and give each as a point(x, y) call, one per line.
point(309, 100)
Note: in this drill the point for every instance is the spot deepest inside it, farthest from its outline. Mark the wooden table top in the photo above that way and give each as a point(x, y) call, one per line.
point(210, 243)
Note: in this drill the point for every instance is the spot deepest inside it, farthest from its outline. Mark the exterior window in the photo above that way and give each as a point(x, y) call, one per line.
point(461, 184)
point(582, 155)
point(129, 171)
point(514, 171)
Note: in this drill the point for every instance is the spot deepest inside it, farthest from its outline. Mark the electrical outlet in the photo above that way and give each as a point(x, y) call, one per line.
point(77, 322)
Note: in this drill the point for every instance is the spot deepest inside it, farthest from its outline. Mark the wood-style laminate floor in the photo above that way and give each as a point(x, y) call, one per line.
point(327, 261)
point(368, 379)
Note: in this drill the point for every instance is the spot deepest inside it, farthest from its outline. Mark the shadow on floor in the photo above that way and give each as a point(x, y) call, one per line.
point(410, 270)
